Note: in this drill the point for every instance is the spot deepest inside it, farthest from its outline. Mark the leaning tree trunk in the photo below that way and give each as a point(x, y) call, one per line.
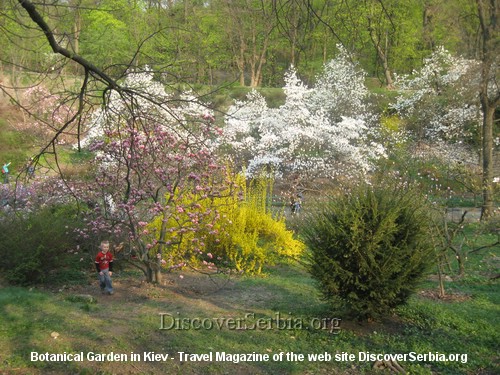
point(382, 54)
point(161, 246)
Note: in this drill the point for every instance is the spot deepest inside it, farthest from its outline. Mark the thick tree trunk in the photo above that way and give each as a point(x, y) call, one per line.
point(488, 12)
point(161, 246)
point(240, 62)
point(427, 33)
point(261, 60)
point(293, 47)
point(149, 274)
point(76, 33)
point(157, 279)
point(385, 63)
point(488, 116)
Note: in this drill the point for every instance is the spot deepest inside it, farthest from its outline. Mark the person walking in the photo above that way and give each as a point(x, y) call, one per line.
point(5, 172)
point(104, 267)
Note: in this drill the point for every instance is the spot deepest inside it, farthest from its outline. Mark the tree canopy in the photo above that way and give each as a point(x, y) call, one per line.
point(248, 41)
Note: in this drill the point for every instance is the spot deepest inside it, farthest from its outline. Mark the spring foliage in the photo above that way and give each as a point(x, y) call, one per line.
point(370, 248)
point(239, 233)
point(34, 245)
point(153, 159)
point(253, 237)
point(160, 185)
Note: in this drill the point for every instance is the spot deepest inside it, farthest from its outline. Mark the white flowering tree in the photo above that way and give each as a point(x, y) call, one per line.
point(319, 131)
point(445, 101)
point(440, 101)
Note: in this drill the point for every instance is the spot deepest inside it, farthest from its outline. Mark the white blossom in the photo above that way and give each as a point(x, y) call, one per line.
point(441, 98)
point(149, 102)
point(318, 130)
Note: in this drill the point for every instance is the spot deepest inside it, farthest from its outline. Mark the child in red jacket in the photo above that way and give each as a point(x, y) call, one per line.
point(104, 267)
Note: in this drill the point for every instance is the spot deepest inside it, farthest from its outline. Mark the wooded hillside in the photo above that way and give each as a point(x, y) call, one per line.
point(248, 41)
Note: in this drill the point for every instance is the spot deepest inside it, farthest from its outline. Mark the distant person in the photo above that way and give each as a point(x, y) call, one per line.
point(104, 267)
point(30, 168)
point(5, 172)
point(296, 204)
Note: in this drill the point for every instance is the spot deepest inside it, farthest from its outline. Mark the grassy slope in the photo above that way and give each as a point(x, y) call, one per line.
point(129, 321)
point(14, 146)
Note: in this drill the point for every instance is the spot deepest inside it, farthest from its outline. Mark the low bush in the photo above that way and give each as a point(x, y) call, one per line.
point(34, 244)
point(251, 236)
point(370, 248)
point(239, 234)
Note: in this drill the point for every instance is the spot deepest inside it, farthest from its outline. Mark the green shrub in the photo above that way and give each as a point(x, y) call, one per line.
point(34, 245)
point(370, 248)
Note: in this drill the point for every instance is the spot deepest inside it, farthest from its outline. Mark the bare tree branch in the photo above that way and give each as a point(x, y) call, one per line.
point(38, 19)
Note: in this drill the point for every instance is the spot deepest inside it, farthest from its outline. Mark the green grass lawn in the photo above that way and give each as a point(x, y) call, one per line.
point(15, 147)
point(200, 314)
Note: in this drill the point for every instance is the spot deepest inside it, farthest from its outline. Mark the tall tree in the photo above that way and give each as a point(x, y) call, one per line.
point(153, 160)
point(488, 12)
point(384, 33)
point(143, 125)
point(452, 24)
point(249, 26)
point(381, 28)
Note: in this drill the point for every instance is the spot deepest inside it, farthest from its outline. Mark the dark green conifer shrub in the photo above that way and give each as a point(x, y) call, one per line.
point(370, 248)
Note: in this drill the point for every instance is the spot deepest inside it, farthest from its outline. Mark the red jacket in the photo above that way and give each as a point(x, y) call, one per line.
point(104, 261)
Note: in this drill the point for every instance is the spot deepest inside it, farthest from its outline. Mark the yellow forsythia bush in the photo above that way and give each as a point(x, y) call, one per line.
point(241, 233)
point(250, 236)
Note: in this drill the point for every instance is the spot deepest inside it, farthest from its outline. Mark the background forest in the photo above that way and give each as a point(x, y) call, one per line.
point(250, 42)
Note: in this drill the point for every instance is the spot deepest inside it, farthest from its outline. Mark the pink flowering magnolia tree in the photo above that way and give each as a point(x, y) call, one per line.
point(49, 115)
point(154, 158)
